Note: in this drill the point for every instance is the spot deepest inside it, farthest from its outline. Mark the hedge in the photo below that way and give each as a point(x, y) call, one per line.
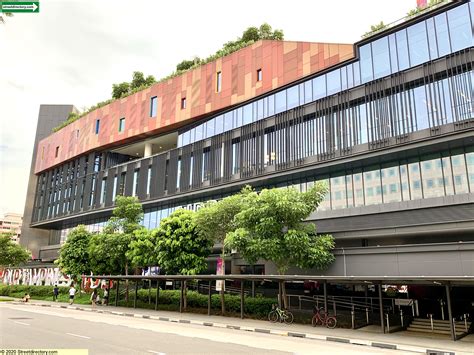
point(38, 291)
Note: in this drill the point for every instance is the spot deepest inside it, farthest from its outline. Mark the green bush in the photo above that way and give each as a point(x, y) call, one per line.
point(38, 291)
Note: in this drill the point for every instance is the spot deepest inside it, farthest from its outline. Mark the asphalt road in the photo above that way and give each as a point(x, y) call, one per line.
point(36, 327)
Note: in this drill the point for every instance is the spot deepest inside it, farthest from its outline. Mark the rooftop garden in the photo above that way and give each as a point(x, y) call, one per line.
point(410, 14)
point(140, 82)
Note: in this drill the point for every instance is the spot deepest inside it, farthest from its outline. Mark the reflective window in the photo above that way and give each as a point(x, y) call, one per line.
point(97, 126)
point(121, 126)
point(308, 91)
point(280, 101)
point(218, 81)
point(381, 57)
point(358, 188)
point(247, 118)
point(198, 133)
point(338, 192)
point(402, 50)
point(470, 167)
point(319, 87)
point(392, 41)
point(210, 128)
point(442, 34)
point(432, 44)
point(420, 102)
point(432, 177)
point(417, 43)
point(228, 119)
point(460, 29)
point(333, 81)
point(372, 186)
point(391, 184)
point(219, 127)
point(292, 97)
point(366, 71)
point(415, 180)
point(153, 106)
point(271, 105)
point(459, 172)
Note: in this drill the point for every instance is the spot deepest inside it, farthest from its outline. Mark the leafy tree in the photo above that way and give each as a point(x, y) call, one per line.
point(12, 254)
point(138, 80)
point(184, 65)
point(251, 34)
point(215, 219)
point(140, 251)
point(270, 227)
point(119, 90)
point(108, 250)
point(74, 254)
point(179, 248)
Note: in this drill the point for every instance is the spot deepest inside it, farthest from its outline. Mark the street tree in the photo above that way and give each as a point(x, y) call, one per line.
point(179, 248)
point(271, 226)
point(74, 253)
point(12, 254)
point(216, 218)
point(114, 241)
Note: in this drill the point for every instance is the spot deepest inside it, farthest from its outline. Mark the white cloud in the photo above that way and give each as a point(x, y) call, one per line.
point(73, 50)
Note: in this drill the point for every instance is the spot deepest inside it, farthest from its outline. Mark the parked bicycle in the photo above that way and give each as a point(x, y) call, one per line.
point(320, 317)
point(282, 315)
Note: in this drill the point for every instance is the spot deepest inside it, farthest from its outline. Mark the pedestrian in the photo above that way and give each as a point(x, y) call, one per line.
point(55, 293)
point(105, 300)
point(26, 298)
point(94, 297)
point(72, 293)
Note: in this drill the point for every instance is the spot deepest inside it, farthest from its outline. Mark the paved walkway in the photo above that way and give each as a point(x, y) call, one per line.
point(407, 341)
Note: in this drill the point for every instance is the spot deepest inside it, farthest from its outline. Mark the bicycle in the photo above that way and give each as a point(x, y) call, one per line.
point(278, 314)
point(320, 317)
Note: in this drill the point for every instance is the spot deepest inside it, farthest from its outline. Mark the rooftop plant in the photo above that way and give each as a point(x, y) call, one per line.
point(139, 82)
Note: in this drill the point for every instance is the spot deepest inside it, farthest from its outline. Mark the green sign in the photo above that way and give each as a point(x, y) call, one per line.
point(20, 6)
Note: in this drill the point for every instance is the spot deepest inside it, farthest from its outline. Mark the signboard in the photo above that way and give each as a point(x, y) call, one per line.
point(19, 6)
point(220, 270)
point(34, 276)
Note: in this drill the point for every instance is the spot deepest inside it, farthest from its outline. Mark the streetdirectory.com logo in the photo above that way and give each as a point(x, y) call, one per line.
point(19, 6)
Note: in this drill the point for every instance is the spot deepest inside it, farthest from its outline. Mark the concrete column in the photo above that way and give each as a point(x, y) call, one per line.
point(450, 312)
point(382, 324)
point(148, 150)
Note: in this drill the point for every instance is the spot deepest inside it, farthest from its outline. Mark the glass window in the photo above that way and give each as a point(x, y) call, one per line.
point(325, 205)
point(366, 71)
point(459, 172)
point(259, 74)
point(343, 78)
point(349, 191)
point(415, 180)
point(103, 190)
point(432, 174)
point(292, 97)
point(198, 133)
point(218, 81)
point(210, 128)
point(186, 138)
point(97, 126)
point(148, 181)
point(402, 49)
point(153, 106)
point(121, 127)
point(271, 105)
point(235, 157)
point(247, 114)
point(228, 119)
point(238, 117)
point(219, 128)
point(372, 186)
point(280, 101)
point(358, 188)
point(319, 87)
point(334, 81)
point(432, 45)
point(442, 34)
point(417, 43)
point(183, 103)
point(393, 52)
point(259, 109)
point(338, 192)
point(135, 182)
point(308, 92)
point(460, 29)
point(391, 184)
point(381, 57)
point(350, 76)
point(356, 70)
point(421, 109)
point(470, 166)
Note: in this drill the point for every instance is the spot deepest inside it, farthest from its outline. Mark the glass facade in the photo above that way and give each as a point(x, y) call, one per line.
point(419, 43)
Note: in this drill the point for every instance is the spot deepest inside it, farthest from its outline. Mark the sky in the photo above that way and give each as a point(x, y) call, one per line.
point(74, 50)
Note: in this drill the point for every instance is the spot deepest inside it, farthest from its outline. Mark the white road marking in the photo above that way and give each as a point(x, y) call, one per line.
point(20, 323)
point(79, 336)
point(156, 352)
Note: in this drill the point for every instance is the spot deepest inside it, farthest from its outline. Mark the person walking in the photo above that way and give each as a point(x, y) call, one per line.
point(72, 293)
point(94, 297)
point(55, 293)
point(105, 300)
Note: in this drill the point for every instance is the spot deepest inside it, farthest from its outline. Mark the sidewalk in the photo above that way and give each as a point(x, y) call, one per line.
point(407, 341)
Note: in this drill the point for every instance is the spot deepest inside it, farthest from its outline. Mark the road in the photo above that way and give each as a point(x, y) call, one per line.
point(24, 326)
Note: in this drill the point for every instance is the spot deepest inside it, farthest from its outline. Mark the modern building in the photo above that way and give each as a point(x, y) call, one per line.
point(11, 223)
point(388, 122)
